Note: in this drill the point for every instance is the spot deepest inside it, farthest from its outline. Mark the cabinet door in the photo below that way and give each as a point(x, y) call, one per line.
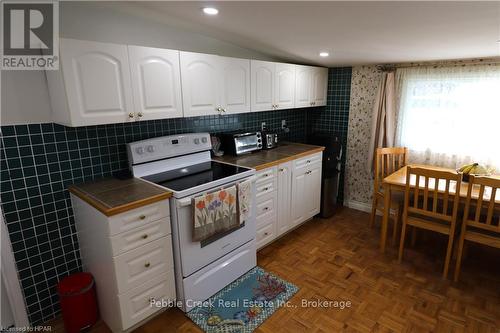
point(201, 83)
point(97, 82)
point(299, 196)
point(236, 78)
point(284, 197)
point(263, 85)
point(284, 95)
point(312, 191)
point(156, 82)
point(319, 86)
point(303, 79)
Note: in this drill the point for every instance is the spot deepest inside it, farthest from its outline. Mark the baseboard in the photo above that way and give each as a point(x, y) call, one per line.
point(363, 207)
point(358, 205)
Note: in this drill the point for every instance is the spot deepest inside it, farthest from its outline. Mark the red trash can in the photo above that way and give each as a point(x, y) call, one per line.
point(78, 301)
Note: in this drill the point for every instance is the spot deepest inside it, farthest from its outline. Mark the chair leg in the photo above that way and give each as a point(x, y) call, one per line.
point(459, 255)
point(374, 211)
point(397, 220)
point(402, 242)
point(413, 236)
point(449, 250)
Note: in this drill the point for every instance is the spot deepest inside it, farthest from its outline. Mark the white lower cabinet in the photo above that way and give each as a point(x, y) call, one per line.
point(130, 257)
point(287, 195)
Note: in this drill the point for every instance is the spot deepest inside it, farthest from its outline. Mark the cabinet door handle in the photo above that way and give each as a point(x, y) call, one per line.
point(277, 106)
point(131, 115)
point(281, 170)
point(308, 172)
point(139, 114)
point(308, 161)
point(144, 236)
point(142, 217)
point(147, 264)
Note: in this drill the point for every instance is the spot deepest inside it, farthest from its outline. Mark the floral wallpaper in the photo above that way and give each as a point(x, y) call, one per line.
point(364, 85)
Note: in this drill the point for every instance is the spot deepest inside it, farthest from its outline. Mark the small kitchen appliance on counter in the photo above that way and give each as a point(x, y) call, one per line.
point(240, 143)
point(270, 140)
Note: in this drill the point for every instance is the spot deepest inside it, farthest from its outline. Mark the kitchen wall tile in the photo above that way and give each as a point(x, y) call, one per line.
point(334, 118)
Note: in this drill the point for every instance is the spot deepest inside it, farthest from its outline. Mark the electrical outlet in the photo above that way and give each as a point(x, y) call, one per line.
point(263, 126)
point(283, 124)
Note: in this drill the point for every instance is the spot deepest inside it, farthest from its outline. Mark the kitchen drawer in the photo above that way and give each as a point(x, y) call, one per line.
point(307, 161)
point(265, 235)
point(266, 175)
point(138, 217)
point(135, 305)
point(265, 188)
point(266, 208)
point(137, 237)
point(135, 267)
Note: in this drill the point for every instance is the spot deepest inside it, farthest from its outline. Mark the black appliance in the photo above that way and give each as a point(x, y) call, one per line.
point(332, 167)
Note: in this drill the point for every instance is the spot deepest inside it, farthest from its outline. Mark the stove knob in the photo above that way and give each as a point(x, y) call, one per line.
point(150, 148)
point(204, 139)
point(196, 141)
point(139, 150)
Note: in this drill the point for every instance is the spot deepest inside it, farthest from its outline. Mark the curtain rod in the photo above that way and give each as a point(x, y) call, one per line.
point(443, 63)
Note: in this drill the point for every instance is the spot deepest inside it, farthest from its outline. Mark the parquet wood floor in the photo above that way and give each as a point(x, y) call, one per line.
point(338, 259)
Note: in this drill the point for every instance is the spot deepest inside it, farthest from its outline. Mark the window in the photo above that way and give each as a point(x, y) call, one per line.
point(451, 116)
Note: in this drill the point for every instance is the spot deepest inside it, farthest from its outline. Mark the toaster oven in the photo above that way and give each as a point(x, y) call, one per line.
point(241, 143)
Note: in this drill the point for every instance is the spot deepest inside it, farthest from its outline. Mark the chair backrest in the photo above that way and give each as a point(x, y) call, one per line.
point(432, 191)
point(484, 213)
point(387, 161)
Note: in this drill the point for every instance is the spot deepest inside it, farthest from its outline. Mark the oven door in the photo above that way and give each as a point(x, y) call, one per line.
point(194, 254)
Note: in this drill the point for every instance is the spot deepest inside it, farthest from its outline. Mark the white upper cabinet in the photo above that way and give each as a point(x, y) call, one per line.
point(284, 95)
point(104, 83)
point(201, 83)
point(156, 82)
point(236, 85)
point(303, 83)
point(319, 86)
point(273, 85)
point(311, 86)
point(263, 85)
point(93, 84)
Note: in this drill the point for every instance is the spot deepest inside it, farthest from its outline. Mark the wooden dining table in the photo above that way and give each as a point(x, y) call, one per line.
point(396, 182)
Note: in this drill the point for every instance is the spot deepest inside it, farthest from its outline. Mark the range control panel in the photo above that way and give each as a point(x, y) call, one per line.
point(167, 146)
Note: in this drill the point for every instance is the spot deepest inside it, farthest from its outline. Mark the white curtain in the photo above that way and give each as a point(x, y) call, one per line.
point(450, 116)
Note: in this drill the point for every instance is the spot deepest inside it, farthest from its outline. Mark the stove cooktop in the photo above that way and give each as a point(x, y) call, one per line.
point(195, 175)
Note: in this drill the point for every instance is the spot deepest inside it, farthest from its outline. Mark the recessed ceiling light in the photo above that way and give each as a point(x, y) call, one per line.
point(210, 11)
point(324, 54)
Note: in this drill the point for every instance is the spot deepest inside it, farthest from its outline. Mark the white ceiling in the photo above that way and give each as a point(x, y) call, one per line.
point(353, 32)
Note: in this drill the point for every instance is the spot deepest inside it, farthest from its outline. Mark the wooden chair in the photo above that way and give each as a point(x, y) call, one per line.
point(387, 161)
point(432, 205)
point(481, 223)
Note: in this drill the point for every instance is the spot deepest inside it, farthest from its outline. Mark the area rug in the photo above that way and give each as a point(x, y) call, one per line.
point(244, 304)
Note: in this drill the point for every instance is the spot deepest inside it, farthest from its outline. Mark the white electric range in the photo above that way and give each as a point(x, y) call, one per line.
point(183, 165)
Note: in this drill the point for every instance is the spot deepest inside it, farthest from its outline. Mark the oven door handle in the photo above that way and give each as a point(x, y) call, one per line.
point(183, 202)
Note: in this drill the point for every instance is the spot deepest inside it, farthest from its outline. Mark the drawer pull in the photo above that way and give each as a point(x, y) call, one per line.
point(266, 234)
point(266, 208)
point(281, 170)
point(147, 264)
point(144, 236)
point(142, 217)
point(265, 188)
point(308, 161)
